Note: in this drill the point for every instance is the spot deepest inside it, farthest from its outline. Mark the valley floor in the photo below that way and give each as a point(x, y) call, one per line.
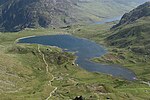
point(37, 72)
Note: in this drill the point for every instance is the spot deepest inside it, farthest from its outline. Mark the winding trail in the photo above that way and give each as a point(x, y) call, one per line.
point(43, 57)
point(17, 40)
point(147, 83)
point(73, 31)
point(47, 70)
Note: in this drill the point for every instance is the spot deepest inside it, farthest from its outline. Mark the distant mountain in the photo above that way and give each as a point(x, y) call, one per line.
point(133, 30)
point(16, 15)
point(98, 9)
point(139, 12)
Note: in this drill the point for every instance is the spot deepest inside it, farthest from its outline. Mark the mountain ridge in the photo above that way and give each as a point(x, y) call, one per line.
point(16, 15)
point(132, 32)
point(19, 14)
point(137, 13)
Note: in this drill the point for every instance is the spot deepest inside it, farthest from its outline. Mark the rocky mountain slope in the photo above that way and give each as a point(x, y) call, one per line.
point(133, 30)
point(139, 12)
point(99, 9)
point(16, 15)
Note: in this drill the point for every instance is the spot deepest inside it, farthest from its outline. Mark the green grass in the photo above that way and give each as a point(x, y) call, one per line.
point(138, 63)
point(23, 72)
point(93, 32)
point(97, 10)
point(137, 60)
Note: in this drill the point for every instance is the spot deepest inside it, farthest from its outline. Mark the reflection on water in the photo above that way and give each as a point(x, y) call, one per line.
point(86, 50)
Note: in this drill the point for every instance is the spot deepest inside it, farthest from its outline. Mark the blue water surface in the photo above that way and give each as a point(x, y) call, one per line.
point(85, 50)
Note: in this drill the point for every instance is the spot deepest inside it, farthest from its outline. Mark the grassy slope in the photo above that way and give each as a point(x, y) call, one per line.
point(23, 74)
point(136, 62)
point(120, 53)
point(97, 10)
point(134, 39)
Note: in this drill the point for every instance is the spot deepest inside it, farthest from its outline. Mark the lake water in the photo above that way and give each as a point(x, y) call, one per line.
point(108, 20)
point(86, 50)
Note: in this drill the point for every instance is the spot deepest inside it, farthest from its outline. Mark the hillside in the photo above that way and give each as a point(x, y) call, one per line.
point(127, 44)
point(19, 14)
point(139, 12)
point(33, 72)
point(96, 10)
point(39, 72)
point(132, 31)
point(16, 15)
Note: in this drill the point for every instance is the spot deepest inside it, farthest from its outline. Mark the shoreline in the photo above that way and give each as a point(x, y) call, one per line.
point(30, 36)
point(75, 61)
point(17, 40)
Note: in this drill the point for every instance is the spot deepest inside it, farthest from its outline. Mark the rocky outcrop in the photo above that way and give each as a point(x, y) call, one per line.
point(135, 14)
point(19, 14)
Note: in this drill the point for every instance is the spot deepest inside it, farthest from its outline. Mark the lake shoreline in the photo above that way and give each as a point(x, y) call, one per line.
point(82, 55)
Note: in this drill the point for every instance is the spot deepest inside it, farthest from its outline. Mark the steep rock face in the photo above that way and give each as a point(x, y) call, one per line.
point(3, 1)
point(18, 14)
point(132, 32)
point(137, 13)
point(96, 10)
